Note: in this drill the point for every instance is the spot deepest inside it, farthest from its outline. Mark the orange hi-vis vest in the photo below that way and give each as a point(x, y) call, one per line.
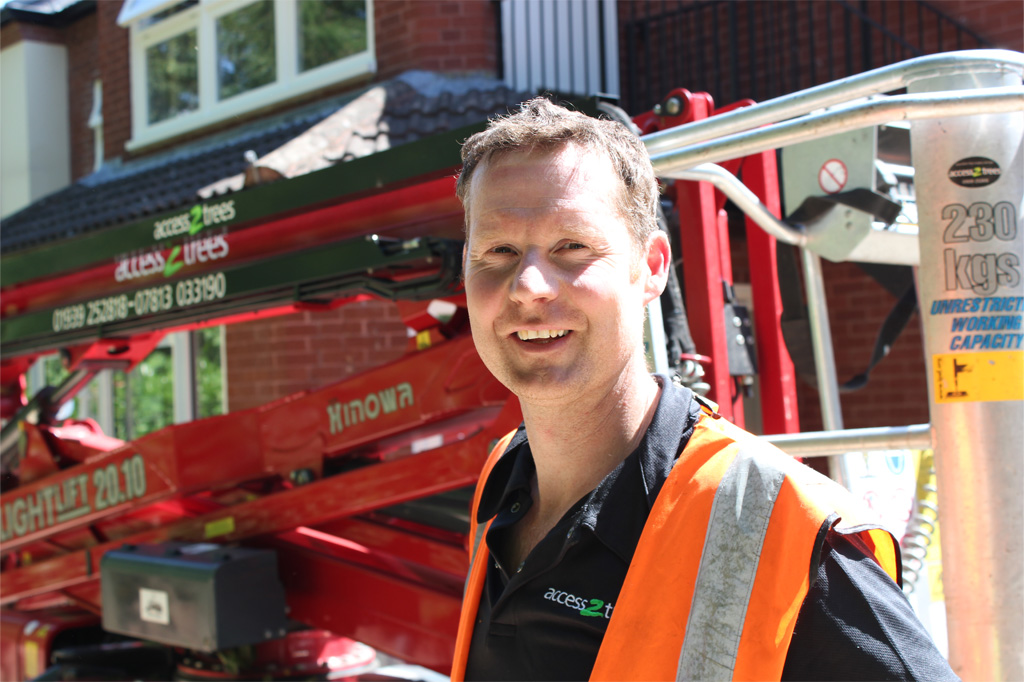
point(722, 566)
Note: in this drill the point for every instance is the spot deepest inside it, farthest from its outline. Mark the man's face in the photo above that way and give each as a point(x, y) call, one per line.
point(555, 285)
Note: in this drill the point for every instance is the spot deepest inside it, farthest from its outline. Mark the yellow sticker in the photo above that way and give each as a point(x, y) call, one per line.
point(220, 527)
point(423, 340)
point(31, 660)
point(978, 377)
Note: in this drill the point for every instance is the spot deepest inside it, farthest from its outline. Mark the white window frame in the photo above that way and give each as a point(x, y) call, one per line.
point(289, 83)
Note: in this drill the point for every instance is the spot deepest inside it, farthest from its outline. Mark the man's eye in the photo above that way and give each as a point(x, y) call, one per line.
point(502, 249)
point(574, 245)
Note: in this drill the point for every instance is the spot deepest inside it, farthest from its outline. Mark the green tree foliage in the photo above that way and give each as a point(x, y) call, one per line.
point(143, 399)
point(245, 49)
point(172, 77)
point(330, 30)
point(209, 372)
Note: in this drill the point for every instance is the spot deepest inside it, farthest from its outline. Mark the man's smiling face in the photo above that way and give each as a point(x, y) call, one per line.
point(555, 285)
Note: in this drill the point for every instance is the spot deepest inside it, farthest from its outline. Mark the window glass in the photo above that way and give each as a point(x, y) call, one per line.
point(209, 369)
point(330, 30)
point(172, 77)
point(245, 49)
point(144, 397)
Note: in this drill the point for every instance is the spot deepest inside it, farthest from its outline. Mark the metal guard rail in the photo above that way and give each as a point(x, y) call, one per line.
point(878, 81)
point(689, 152)
point(827, 443)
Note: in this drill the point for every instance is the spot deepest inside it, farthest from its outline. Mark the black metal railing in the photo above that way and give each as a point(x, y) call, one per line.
point(760, 49)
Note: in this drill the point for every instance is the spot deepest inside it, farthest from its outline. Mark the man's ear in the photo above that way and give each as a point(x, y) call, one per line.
point(658, 259)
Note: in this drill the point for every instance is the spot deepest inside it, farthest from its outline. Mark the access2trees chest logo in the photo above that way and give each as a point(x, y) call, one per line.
point(591, 608)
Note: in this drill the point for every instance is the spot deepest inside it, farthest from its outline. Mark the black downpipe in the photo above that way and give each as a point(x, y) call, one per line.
point(865, 39)
point(810, 23)
point(794, 48)
point(733, 55)
point(848, 34)
point(717, 52)
point(698, 47)
point(752, 42)
point(650, 60)
point(828, 32)
point(603, 46)
point(499, 63)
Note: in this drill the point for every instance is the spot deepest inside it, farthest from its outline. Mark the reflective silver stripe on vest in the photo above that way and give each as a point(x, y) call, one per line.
point(480, 528)
point(728, 563)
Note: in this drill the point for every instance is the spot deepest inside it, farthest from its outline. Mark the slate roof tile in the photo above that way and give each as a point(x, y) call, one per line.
point(412, 106)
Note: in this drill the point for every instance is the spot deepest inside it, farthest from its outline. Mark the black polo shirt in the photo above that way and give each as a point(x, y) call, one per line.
point(545, 619)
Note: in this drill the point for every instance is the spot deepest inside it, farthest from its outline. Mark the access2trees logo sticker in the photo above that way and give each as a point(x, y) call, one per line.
point(974, 171)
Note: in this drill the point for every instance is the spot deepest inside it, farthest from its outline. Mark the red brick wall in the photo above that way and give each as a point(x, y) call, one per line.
point(14, 32)
point(83, 69)
point(113, 57)
point(897, 391)
point(80, 39)
point(453, 35)
point(1001, 22)
point(273, 358)
point(457, 36)
point(793, 45)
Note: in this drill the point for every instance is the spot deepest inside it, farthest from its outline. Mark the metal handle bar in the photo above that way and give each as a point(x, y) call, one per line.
point(748, 202)
point(822, 443)
point(877, 81)
point(670, 162)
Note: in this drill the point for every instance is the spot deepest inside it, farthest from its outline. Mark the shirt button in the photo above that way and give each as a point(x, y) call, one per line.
point(516, 507)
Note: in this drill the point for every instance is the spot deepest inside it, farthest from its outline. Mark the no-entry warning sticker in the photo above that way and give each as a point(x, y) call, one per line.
point(833, 176)
point(978, 377)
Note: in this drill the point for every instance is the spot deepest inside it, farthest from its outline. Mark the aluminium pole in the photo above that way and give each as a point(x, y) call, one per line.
point(968, 179)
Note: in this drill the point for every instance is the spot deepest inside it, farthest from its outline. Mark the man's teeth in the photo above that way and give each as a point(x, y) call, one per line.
point(542, 334)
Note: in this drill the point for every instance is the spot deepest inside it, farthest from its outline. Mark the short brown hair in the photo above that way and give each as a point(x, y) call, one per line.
point(541, 125)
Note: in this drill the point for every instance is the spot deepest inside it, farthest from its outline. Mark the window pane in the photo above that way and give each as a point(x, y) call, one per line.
point(330, 30)
point(146, 404)
point(171, 77)
point(210, 371)
point(245, 49)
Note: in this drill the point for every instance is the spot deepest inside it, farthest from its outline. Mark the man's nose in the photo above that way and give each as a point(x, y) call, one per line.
point(535, 280)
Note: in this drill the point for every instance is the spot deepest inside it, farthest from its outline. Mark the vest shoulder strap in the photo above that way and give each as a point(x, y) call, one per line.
point(477, 564)
point(722, 567)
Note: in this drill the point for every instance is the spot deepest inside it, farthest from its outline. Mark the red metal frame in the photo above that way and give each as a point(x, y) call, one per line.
point(704, 246)
point(779, 412)
point(26, 638)
point(266, 477)
point(346, 560)
point(293, 434)
point(426, 208)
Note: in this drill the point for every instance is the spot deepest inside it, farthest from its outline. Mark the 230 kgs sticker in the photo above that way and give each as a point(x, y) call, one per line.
point(981, 223)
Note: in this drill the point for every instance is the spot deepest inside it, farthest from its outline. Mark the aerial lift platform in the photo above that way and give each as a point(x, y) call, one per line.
point(302, 537)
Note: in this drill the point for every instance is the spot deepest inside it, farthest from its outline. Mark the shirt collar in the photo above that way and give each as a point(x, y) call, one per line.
point(625, 498)
point(510, 477)
point(617, 509)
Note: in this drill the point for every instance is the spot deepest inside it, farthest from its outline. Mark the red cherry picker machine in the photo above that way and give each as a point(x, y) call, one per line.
point(298, 538)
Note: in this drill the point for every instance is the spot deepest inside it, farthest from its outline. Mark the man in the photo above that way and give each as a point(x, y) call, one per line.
point(626, 531)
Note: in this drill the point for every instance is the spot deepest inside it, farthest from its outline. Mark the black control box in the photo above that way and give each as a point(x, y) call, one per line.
point(200, 596)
